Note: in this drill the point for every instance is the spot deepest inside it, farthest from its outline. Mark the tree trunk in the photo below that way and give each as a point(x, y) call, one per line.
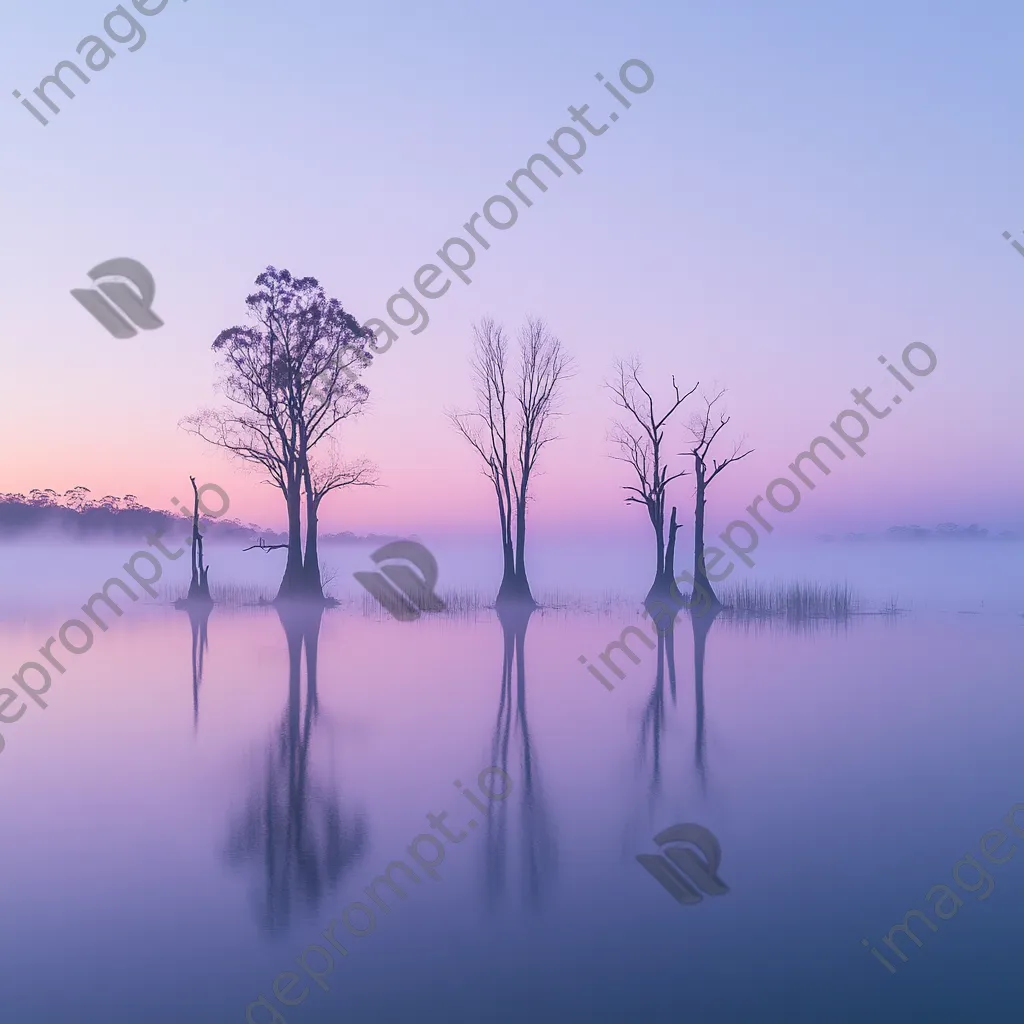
point(670, 562)
point(703, 592)
point(312, 583)
point(506, 592)
point(518, 588)
point(507, 588)
point(199, 585)
point(292, 581)
point(664, 599)
point(658, 521)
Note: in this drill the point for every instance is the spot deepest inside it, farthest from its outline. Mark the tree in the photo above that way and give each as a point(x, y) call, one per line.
point(704, 432)
point(290, 383)
point(509, 429)
point(199, 585)
point(77, 497)
point(43, 498)
point(640, 439)
point(318, 480)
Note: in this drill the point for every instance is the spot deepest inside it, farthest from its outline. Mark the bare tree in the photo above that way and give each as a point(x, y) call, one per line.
point(704, 430)
point(290, 384)
point(640, 438)
point(510, 427)
point(199, 586)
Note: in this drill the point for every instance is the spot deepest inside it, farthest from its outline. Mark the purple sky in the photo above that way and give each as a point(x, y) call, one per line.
point(799, 192)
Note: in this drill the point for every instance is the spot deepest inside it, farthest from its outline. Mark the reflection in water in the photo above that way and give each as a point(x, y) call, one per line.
point(199, 618)
point(539, 847)
point(652, 725)
point(701, 621)
point(294, 825)
point(808, 625)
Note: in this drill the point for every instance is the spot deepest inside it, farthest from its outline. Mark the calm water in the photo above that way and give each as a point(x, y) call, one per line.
point(172, 845)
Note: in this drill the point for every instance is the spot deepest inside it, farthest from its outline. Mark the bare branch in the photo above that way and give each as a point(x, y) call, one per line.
point(510, 426)
point(640, 439)
point(264, 547)
point(704, 430)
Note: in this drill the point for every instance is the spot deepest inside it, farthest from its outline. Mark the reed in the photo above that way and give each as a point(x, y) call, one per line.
point(793, 601)
point(230, 595)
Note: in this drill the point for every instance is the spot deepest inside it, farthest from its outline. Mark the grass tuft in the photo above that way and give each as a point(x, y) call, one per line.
point(791, 601)
point(231, 595)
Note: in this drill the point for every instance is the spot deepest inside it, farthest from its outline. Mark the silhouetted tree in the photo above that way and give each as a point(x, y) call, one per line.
point(76, 497)
point(318, 480)
point(199, 585)
point(290, 382)
point(43, 498)
point(704, 431)
point(509, 428)
point(641, 438)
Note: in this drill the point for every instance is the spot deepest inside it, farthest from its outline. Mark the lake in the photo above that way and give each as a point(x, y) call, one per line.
point(179, 835)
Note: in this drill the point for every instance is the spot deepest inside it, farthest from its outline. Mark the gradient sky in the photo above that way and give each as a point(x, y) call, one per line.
point(802, 190)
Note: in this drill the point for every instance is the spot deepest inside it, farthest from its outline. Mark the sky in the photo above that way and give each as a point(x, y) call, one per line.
point(804, 188)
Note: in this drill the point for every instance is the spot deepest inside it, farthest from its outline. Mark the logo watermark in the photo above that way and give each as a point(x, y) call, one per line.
point(679, 870)
point(781, 494)
point(1014, 242)
point(500, 212)
point(360, 919)
point(39, 673)
point(133, 302)
point(397, 588)
point(943, 899)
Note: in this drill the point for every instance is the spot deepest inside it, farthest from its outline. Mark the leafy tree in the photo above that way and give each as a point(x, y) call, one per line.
point(290, 383)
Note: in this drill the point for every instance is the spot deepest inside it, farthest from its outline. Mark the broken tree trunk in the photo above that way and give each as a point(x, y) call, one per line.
point(199, 586)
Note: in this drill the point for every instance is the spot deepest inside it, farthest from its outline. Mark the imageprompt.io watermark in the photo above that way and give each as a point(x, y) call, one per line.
point(500, 212)
point(919, 361)
point(121, 27)
point(40, 673)
point(679, 870)
point(945, 903)
point(116, 305)
point(397, 588)
point(360, 919)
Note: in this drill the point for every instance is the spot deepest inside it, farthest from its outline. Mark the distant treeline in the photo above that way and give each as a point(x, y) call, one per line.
point(82, 517)
point(944, 531)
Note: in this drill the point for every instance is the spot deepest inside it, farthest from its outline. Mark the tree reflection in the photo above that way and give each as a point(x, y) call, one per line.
point(654, 719)
point(294, 825)
point(512, 729)
point(199, 618)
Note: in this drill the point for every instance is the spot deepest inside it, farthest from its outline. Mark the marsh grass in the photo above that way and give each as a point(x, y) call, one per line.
point(460, 604)
point(230, 595)
point(794, 604)
point(793, 601)
point(798, 608)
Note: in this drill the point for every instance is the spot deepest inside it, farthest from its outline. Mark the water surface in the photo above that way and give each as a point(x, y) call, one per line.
point(175, 843)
